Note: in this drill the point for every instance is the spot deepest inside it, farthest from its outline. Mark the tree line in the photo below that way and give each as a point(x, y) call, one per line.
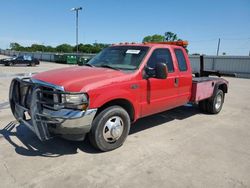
point(88, 48)
point(62, 48)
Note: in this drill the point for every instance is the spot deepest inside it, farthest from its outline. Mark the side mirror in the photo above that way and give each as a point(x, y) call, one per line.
point(161, 71)
point(149, 72)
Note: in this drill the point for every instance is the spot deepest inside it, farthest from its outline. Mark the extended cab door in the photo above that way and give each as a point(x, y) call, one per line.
point(159, 94)
point(184, 82)
point(27, 59)
point(19, 60)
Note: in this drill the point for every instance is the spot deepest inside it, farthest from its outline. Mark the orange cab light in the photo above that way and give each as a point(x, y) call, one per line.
point(177, 43)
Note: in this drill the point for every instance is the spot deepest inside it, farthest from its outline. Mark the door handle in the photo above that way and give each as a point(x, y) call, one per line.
point(176, 82)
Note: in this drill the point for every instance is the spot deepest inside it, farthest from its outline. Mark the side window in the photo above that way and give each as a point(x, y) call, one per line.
point(19, 58)
point(161, 55)
point(182, 64)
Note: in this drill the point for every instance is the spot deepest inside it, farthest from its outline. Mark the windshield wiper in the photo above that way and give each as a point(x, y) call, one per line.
point(108, 66)
point(87, 64)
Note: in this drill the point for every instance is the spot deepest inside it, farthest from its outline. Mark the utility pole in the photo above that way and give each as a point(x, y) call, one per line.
point(76, 10)
point(218, 47)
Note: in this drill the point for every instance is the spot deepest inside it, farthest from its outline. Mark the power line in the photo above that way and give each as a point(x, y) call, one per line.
point(248, 38)
point(208, 40)
point(215, 39)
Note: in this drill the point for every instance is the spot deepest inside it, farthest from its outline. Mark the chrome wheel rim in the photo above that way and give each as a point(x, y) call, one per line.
point(218, 102)
point(113, 129)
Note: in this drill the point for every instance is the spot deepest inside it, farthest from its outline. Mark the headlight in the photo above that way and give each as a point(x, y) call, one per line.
point(75, 101)
point(75, 98)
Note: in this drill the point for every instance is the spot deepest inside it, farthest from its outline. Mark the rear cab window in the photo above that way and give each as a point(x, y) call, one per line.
point(181, 60)
point(161, 55)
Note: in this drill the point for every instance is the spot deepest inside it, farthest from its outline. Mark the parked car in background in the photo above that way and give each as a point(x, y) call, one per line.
point(23, 59)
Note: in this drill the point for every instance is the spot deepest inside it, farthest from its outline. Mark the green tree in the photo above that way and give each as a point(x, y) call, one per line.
point(15, 46)
point(49, 49)
point(170, 36)
point(153, 38)
point(147, 39)
point(37, 48)
point(65, 48)
point(89, 48)
point(101, 45)
point(84, 48)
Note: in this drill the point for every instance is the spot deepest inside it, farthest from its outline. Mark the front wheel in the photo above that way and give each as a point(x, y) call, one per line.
point(110, 128)
point(32, 64)
point(9, 64)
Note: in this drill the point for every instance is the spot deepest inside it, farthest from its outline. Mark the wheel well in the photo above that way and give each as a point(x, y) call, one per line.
point(127, 105)
point(223, 87)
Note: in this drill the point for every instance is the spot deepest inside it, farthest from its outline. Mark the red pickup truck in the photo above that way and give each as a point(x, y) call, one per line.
point(118, 86)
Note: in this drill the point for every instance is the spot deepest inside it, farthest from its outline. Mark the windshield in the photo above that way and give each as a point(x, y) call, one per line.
point(120, 57)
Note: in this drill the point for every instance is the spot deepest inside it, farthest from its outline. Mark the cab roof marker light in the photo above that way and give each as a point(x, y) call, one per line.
point(177, 43)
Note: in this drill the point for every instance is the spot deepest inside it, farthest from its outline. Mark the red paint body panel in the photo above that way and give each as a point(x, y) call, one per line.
point(203, 87)
point(76, 79)
point(185, 79)
point(201, 91)
point(150, 95)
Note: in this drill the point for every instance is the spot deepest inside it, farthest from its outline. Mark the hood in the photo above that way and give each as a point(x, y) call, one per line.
point(76, 79)
point(8, 59)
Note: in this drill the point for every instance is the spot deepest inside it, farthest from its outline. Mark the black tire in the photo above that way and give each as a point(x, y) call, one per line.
point(213, 104)
point(13, 95)
point(96, 134)
point(32, 64)
point(9, 64)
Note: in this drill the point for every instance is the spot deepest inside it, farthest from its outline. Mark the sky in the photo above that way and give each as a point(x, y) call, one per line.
point(201, 22)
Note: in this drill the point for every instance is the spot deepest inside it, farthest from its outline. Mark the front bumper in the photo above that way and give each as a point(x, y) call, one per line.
point(45, 121)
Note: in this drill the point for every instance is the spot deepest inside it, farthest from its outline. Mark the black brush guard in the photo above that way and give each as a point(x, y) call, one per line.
point(39, 106)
